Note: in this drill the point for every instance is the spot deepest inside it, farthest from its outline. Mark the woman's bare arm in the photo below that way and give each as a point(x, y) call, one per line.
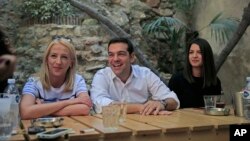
point(30, 109)
point(82, 106)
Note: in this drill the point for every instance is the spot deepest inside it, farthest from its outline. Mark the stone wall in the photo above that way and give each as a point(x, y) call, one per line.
point(90, 38)
point(10, 17)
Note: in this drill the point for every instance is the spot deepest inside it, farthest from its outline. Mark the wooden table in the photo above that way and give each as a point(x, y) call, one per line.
point(183, 125)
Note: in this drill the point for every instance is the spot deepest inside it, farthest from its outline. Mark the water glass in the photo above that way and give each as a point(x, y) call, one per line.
point(6, 125)
point(123, 110)
point(14, 111)
point(210, 101)
point(111, 114)
point(220, 101)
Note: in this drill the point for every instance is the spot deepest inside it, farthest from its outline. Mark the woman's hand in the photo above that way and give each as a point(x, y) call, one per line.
point(39, 101)
point(83, 98)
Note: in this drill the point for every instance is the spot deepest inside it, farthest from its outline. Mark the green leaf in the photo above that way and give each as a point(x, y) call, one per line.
point(45, 9)
point(222, 28)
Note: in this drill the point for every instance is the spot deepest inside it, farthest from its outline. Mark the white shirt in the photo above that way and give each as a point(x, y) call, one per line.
point(141, 85)
point(34, 87)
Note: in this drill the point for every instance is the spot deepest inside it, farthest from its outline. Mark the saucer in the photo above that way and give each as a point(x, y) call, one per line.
point(217, 111)
point(48, 122)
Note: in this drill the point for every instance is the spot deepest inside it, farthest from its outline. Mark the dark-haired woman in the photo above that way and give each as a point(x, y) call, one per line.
point(198, 77)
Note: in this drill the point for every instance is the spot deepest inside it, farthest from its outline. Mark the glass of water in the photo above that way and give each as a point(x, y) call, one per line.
point(210, 101)
point(6, 125)
point(111, 114)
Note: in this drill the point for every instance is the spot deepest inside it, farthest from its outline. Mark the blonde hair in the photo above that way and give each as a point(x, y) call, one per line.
point(70, 75)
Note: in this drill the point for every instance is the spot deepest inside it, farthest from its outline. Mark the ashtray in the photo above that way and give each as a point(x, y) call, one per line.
point(217, 111)
point(48, 122)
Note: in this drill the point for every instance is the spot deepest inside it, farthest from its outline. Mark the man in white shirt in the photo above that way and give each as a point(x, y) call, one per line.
point(144, 92)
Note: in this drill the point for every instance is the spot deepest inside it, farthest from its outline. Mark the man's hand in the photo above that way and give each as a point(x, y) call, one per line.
point(152, 107)
point(164, 112)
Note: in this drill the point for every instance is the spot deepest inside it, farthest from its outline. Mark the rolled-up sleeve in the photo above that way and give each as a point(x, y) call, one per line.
point(30, 87)
point(81, 86)
point(159, 90)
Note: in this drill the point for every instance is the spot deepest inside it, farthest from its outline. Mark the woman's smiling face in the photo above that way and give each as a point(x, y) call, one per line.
point(195, 56)
point(59, 60)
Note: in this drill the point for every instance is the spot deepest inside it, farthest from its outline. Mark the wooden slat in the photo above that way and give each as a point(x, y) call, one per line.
point(218, 124)
point(77, 127)
point(219, 120)
point(74, 125)
point(183, 124)
point(161, 122)
point(138, 128)
point(96, 123)
point(17, 137)
point(175, 121)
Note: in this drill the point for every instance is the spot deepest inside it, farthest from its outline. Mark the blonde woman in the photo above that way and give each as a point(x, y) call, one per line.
point(57, 90)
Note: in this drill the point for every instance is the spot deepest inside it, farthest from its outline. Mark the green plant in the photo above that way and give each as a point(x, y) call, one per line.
point(222, 28)
point(176, 33)
point(169, 30)
point(45, 9)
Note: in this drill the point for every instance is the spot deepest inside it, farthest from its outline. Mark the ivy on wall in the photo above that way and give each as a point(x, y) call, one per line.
point(46, 9)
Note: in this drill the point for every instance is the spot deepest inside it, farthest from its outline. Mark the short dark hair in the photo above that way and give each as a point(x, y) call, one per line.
point(122, 40)
point(208, 69)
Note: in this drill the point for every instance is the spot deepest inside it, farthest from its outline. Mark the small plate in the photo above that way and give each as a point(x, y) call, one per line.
point(48, 122)
point(217, 111)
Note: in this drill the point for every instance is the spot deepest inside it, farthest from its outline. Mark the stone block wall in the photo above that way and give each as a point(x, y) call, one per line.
point(89, 40)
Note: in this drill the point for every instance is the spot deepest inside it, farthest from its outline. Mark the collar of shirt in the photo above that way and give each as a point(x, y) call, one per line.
point(134, 73)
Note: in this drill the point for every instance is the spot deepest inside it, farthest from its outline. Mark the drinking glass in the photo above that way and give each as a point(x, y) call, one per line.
point(210, 101)
point(220, 101)
point(111, 114)
point(6, 125)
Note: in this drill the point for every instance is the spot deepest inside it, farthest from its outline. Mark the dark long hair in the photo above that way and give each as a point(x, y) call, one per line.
point(208, 67)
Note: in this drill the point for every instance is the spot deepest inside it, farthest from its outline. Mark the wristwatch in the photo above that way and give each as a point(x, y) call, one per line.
point(164, 103)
